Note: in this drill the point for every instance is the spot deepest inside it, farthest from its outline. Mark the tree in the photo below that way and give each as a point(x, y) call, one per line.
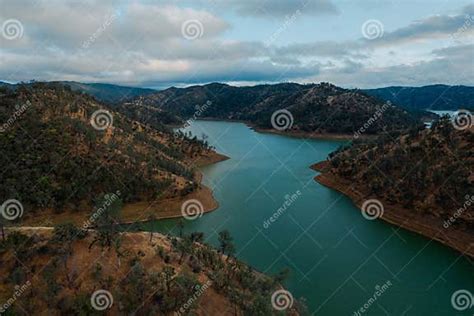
point(2, 226)
point(197, 237)
point(64, 236)
point(107, 212)
point(259, 306)
point(235, 298)
point(67, 233)
point(180, 227)
point(185, 246)
point(151, 218)
point(282, 276)
point(168, 274)
point(118, 250)
point(226, 244)
point(184, 287)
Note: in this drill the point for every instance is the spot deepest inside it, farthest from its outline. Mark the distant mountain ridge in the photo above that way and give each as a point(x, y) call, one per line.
point(433, 97)
point(315, 108)
point(430, 97)
point(104, 92)
point(109, 93)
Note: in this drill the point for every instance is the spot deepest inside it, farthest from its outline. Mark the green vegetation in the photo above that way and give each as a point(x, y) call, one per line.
point(55, 159)
point(428, 97)
point(321, 108)
point(178, 275)
point(428, 171)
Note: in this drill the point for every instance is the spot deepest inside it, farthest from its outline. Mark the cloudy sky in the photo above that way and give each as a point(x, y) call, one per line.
point(361, 43)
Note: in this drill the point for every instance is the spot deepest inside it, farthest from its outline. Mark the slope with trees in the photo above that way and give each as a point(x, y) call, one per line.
point(60, 270)
point(315, 108)
point(434, 97)
point(424, 179)
point(54, 158)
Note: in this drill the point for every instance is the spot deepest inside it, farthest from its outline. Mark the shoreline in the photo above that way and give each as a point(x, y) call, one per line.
point(151, 247)
point(399, 216)
point(206, 160)
point(291, 133)
point(172, 206)
point(140, 212)
point(303, 135)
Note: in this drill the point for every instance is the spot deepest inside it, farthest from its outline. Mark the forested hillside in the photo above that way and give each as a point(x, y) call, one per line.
point(423, 178)
point(68, 271)
point(434, 97)
point(61, 149)
point(319, 109)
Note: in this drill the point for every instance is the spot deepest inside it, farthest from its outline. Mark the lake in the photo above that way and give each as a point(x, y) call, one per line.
point(447, 112)
point(336, 256)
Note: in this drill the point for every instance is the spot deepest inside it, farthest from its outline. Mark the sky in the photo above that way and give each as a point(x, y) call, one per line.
point(157, 44)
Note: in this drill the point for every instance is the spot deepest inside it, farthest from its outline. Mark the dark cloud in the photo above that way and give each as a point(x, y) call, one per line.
point(279, 8)
point(433, 27)
point(142, 43)
point(449, 66)
point(324, 49)
point(456, 51)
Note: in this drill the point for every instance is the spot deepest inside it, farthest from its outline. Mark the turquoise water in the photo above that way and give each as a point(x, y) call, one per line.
point(336, 257)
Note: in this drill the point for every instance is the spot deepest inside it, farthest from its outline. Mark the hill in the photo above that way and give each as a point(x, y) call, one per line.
point(104, 92)
point(433, 97)
point(116, 98)
point(311, 109)
point(5, 84)
point(62, 150)
point(67, 271)
point(421, 180)
point(108, 93)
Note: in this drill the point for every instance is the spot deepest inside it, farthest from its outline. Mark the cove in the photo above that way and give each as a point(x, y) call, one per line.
point(338, 259)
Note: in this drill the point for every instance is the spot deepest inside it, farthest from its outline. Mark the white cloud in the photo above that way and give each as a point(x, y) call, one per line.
point(141, 43)
point(278, 8)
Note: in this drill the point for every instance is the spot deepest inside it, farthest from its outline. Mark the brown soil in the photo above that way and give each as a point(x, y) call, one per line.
point(85, 260)
point(310, 135)
point(143, 210)
point(425, 225)
point(209, 159)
